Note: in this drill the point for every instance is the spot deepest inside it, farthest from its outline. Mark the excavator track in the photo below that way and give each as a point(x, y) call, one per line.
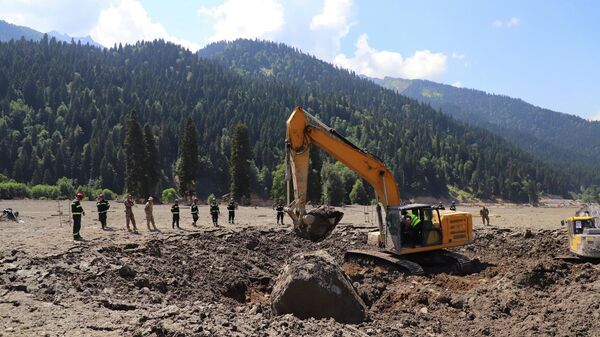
point(379, 256)
point(434, 262)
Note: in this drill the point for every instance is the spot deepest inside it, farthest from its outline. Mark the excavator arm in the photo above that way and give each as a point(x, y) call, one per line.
point(303, 129)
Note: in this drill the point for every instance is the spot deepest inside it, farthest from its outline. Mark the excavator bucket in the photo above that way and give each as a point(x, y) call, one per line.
point(318, 223)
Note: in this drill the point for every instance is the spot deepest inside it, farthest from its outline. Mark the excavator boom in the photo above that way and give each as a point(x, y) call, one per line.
point(303, 130)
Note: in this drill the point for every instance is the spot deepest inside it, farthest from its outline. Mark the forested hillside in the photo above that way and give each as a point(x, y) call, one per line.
point(64, 107)
point(565, 140)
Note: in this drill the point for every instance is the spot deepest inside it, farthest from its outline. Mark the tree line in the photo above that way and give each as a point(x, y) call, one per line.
point(66, 110)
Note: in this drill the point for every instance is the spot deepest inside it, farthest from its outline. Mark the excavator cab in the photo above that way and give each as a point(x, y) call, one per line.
point(427, 232)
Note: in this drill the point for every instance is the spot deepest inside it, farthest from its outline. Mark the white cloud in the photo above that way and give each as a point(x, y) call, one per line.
point(423, 64)
point(245, 19)
point(126, 21)
point(331, 24)
point(457, 84)
point(334, 16)
point(596, 117)
point(458, 56)
point(510, 23)
point(46, 16)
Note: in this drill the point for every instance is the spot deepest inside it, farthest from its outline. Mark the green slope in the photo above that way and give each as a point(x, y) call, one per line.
point(63, 109)
point(552, 136)
point(280, 62)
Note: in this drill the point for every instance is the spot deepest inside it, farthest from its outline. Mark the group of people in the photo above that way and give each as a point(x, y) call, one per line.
point(103, 206)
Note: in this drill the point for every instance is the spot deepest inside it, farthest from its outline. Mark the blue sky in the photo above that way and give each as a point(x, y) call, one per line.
point(544, 52)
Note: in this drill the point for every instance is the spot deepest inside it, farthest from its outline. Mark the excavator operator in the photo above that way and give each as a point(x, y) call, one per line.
point(413, 226)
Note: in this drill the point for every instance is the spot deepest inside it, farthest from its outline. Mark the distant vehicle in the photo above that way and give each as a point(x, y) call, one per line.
point(584, 237)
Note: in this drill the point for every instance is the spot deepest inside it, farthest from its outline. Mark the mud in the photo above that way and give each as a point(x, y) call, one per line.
point(217, 282)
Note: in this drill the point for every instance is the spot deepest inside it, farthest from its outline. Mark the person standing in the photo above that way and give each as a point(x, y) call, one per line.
point(214, 212)
point(77, 212)
point(102, 205)
point(129, 203)
point(175, 212)
point(485, 215)
point(231, 207)
point(279, 208)
point(194, 209)
point(453, 206)
point(149, 215)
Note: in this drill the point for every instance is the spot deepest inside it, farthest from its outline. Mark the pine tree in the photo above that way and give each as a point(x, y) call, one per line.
point(358, 195)
point(135, 153)
point(314, 176)
point(239, 163)
point(151, 165)
point(188, 162)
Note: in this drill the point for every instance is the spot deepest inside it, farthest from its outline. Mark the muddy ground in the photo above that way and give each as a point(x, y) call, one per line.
point(216, 282)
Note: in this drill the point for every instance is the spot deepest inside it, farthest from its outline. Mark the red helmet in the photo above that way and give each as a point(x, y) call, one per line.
point(79, 195)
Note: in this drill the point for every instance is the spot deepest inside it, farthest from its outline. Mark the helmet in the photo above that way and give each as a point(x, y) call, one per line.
point(101, 196)
point(150, 198)
point(79, 195)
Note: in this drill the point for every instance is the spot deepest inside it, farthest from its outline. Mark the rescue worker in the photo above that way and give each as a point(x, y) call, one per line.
point(453, 206)
point(102, 205)
point(129, 203)
point(194, 209)
point(231, 207)
point(175, 212)
point(279, 208)
point(77, 212)
point(414, 224)
point(214, 212)
point(485, 215)
point(149, 215)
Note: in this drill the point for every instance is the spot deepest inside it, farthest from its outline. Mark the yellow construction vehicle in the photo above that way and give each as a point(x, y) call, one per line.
point(584, 236)
point(396, 241)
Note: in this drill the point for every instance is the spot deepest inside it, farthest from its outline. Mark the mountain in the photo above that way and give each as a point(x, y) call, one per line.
point(555, 137)
point(9, 32)
point(63, 111)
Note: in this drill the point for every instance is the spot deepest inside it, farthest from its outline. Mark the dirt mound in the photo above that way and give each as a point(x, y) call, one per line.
point(219, 283)
point(313, 285)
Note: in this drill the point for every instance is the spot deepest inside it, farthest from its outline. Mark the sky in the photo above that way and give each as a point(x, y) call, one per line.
point(544, 52)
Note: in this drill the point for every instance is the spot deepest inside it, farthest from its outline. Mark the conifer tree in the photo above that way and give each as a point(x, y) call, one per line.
point(188, 162)
point(358, 195)
point(314, 175)
point(239, 163)
point(151, 165)
point(135, 153)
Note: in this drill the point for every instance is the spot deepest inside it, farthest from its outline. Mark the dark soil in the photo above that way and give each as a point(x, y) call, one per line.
point(218, 284)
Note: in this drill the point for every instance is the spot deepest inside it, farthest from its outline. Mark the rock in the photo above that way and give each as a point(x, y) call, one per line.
point(318, 223)
point(424, 311)
point(252, 243)
point(127, 272)
point(528, 234)
point(313, 285)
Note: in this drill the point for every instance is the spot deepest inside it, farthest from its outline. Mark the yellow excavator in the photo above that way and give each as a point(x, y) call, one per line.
point(397, 242)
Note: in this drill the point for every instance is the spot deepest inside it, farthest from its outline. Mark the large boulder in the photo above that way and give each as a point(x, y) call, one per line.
point(313, 285)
